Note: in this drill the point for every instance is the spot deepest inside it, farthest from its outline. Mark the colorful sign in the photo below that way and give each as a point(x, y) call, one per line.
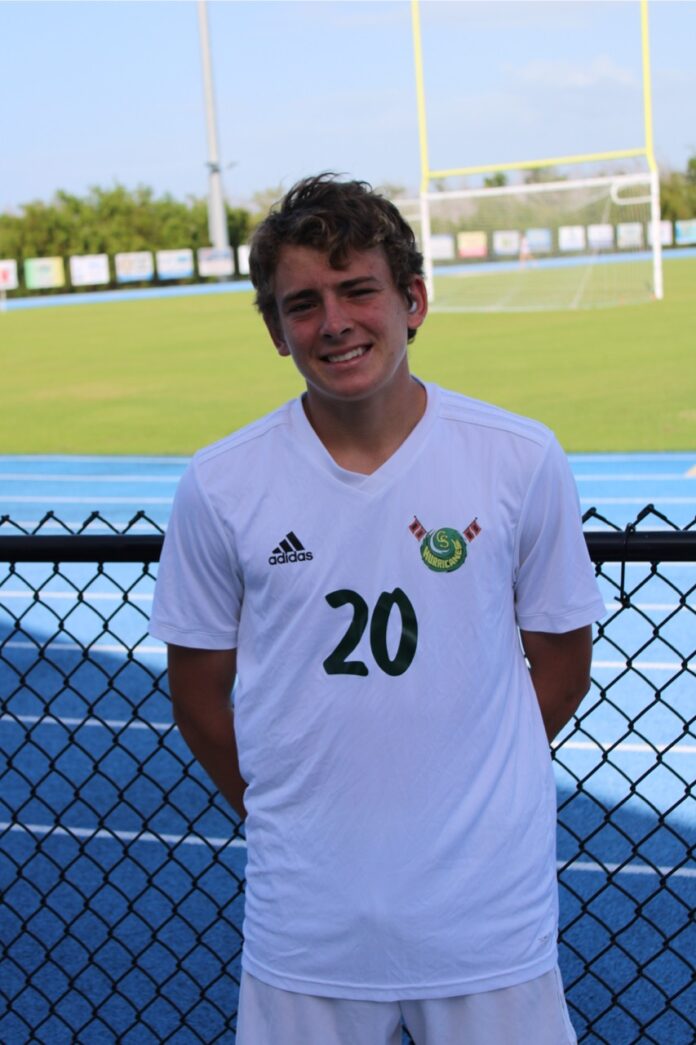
point(175, 264)
point(442, 247)
point(571, 237)
point(629, 235)
point(243, 259)
point(506, 242)
point(134, 266)
point(89, 270)
point(44, 273)
point(685, 232)
point(213, 261)
point(600, 237)
point(8, 275)
point(538, 241)
point(472, 245)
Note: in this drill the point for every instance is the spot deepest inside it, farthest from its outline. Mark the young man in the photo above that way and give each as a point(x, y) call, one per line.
point(365, 562)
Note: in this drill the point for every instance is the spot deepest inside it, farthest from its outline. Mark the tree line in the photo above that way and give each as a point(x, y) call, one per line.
point(108, 221)
point(111, 220)
point(678, 193)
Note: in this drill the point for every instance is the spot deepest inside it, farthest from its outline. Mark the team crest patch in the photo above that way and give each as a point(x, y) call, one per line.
point(444, 550)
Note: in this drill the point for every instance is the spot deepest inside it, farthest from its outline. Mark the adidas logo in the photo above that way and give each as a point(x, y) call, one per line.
point(290, 549)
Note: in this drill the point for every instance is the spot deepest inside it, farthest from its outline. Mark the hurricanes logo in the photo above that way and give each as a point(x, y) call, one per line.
point(444, 550)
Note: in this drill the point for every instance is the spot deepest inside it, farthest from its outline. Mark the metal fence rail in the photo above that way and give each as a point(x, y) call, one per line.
point(122, 872)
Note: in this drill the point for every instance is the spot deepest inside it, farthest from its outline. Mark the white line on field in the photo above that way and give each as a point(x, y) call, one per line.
point(213, 842)
point(96, 528)
point(110, 596)
point(637, 500)
point(98, 647)
point(666, 607)
point(114, 647)
point(38, 499)
point(656, 456)
point(91, 833)
point(77, 524)
point(646, 665)
point(643, 749)
point(131, 459)
point(623, 477)
point(643, 566)
point(28, 477)
point(87, 597)
point(71, 722)
point(117, 647)
point(118, 725)
point(590, 865)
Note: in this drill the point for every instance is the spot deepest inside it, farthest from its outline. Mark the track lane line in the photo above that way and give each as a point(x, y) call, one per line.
point(215, 842)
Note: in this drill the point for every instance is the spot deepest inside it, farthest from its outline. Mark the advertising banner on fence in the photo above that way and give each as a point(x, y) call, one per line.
point(442, 247)
point(89, 270)
point(44, 273)
point(214, 261)
point(506, 242)
point(629, 235)
point(686, 232)
point(8, 275)
point(133, 266)
point(571, 237)
point(243, 259)
point(666, 233)
point(600, 237)
point(175, 264)
point(472, 245)
point(538, 241)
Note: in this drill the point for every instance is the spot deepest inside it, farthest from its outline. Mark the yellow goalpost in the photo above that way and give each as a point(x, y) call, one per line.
point(613, 183)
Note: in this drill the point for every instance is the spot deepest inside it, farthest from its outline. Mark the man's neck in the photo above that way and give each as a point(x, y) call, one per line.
point(361, 435)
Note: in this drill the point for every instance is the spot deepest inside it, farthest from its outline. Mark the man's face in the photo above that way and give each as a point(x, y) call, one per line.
point(346, 329)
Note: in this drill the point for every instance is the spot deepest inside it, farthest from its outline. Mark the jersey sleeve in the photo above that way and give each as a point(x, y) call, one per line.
point(198, 592)
point(555, 585)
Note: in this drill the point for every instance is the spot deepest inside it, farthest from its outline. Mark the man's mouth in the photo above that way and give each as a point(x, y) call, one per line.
point(345, 357)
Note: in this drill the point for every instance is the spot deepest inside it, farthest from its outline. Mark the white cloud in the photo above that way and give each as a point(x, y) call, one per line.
point(557, 74)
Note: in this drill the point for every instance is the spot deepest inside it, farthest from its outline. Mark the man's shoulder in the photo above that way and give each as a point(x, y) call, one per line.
point(243, 440)
point(464, 410)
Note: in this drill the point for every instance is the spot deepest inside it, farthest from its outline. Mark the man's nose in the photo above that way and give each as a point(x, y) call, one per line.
point(335, 320)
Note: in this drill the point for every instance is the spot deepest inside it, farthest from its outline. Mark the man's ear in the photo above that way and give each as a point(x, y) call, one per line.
point(273, 328)
point(417, 302)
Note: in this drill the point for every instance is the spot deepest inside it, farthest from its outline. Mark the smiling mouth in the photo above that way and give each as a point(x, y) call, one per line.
point(345, 357)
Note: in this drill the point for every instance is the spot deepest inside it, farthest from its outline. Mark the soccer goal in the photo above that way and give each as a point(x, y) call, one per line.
point(549, 233)
point(576, 243)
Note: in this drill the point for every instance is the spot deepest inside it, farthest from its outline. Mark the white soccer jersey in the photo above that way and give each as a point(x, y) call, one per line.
point(401, 801)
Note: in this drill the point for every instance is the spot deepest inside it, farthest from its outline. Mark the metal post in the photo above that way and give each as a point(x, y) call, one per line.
point(656, 234)
point(217, 214)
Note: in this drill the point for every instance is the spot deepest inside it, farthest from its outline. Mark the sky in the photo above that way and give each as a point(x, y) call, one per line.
point(99, 92)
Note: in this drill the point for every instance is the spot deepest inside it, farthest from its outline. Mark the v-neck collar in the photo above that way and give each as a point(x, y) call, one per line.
point(306, 439)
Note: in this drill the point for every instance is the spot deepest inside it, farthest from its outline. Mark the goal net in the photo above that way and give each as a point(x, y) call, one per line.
point(564, 244)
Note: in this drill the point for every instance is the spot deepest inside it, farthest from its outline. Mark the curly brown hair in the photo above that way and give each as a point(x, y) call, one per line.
point(336, 217)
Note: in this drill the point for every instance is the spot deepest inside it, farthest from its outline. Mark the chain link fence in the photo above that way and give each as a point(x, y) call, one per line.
point(122, 872)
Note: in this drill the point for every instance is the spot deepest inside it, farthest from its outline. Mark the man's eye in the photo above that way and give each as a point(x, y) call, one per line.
point(299, 306)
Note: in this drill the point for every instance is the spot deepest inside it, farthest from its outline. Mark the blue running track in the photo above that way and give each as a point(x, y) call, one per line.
point(618, 485)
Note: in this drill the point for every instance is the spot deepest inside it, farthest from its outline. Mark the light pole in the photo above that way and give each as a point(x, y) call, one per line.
point(217, 215)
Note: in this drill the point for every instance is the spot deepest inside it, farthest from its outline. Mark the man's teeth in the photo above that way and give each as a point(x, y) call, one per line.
point(352, 354)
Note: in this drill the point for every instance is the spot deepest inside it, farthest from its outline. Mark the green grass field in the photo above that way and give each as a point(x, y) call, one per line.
point(166, 376)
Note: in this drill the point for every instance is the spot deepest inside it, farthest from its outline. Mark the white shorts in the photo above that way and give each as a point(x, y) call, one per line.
point(534, 1011)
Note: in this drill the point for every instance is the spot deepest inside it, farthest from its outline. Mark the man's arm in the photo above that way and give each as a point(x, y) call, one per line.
point(560, 669)
point(200, 683)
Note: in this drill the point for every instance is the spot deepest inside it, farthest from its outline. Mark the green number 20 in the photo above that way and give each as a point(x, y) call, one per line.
point(338, 664)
